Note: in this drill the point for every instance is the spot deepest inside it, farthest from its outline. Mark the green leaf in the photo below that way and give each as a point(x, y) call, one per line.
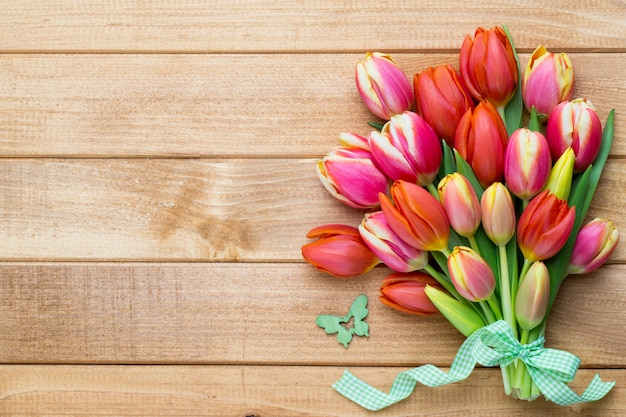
point(515, 107)
point(466, 170)
point(376, 125)
point(448, 164)
point(534, 124)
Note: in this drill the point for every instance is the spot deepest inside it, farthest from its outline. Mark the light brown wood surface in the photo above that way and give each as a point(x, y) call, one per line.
point(157, 182)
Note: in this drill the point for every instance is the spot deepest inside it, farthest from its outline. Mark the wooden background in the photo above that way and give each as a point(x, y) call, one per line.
point(157, 181)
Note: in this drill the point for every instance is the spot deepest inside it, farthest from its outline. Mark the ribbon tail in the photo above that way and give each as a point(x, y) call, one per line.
point(560, 393)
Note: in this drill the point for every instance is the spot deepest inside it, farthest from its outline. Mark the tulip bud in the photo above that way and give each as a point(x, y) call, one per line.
point(560, 179)
point(460, 203)
point(488, 66)
point(417, 217)
point(339, 251)
point(405, 292)
point(384, 88)
point(575, 124)
point(389, 248)
point(533, 295)
point(441, 99)
point(547, 80)
point(352, 140)
point(544, 226)
point(463, 317)
point(481, 140)
point(470, 274)
point(527, 163)
point(407, 149)
point(595, 242)
point(498, 214)
point(351, 176)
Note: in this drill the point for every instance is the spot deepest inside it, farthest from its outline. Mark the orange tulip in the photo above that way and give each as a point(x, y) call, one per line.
point(417, 217)
point(405, 292)
point(339, 251)
point(488, 66)
point(544, 226)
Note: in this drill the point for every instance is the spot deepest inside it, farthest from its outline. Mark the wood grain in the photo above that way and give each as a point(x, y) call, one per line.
point(184, 209)
point(303, 26)
point(220, 313)
point(217, 105)
point(277, 391)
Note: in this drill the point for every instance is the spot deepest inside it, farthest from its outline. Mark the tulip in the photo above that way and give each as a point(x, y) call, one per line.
point(460, 203)
point(407, 149)
point(547, 81)
point(498, 214)
point(389, 248)
point(560, 179)
point(595, 242)
point(544, 226)
point(575, 124)
point(441, 99)
point(384, 88)
point(351, 176)
point(352, 140)
point(339, 251)
point(533, 295)
point(488, 66)
point(417, 217)
point(481, 140)
point(405, 292)
point(463, 317)
point(527, 163)
point(470, 274)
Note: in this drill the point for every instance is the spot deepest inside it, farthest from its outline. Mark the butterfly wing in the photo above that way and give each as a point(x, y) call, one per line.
point(359, 311)
point(333, 324)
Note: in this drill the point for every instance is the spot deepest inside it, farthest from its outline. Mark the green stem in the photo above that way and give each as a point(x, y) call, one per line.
point(487, 311)
point(493, 303)
point(433, 190)
point(474, 244)
point(505, 290)
point(445, 283)
point(446, 252)
point(502, 114)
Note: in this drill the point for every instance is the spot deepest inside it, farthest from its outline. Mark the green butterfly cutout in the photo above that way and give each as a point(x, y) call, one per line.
point(334, 324)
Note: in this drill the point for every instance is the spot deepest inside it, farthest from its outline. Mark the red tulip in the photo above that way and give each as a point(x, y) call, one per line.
point(405, 292)
point(481, 140)
point(488, 66)
point(461, 203)
point(441, 99)
point(417, 217)
point(544, 226)
point(339, 251)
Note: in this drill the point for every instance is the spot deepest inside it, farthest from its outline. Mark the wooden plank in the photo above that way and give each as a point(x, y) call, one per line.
point(277, 391)
point(224, 313)
point(217, 105)
point(184, 210)
point(260, 26)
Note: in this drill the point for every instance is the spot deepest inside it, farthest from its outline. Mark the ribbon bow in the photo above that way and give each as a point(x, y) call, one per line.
point(492, 345)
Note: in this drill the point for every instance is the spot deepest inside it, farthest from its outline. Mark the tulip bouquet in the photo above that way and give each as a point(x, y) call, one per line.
point(480, 216)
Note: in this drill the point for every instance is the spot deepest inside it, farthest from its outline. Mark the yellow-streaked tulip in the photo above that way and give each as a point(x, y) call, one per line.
point(460, 203)
point(339, 251)
point(498, 214)
point(533, 296)
point(470, 274)
point(527, 163)
point(560, 179)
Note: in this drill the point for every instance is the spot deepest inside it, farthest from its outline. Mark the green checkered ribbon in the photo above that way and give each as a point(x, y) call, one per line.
point(491, 345)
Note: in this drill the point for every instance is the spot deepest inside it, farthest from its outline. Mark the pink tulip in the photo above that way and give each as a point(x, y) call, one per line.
point(544, 226)
point(384, 88)
point(575, 124)
point(407, 149)
point(470, 274)
point(417, 217)
point(527, 163)
point(351, 176)
point(405, 292)
point(460, 203)
point(339, 251)
point(481, 139)
point(498, 214)
point(390, 249)
point(488, 66)
point(441, 99)
point(595, 242)
point(547, 81)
